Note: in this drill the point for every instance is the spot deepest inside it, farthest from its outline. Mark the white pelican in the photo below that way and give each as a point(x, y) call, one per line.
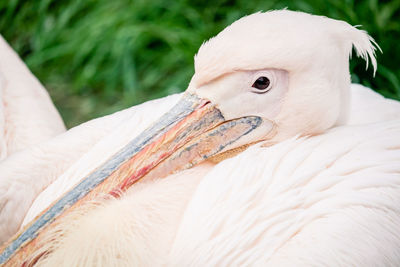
point(321, 187)
point(27, 118)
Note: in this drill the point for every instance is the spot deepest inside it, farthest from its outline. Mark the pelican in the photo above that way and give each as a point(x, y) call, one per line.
point(27, 118)
point(271, 157)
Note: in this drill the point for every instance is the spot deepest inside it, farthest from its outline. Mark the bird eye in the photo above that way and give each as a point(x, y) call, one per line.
point(261, 84)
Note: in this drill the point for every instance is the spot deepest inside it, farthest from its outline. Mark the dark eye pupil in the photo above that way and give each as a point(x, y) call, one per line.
point(261, 83)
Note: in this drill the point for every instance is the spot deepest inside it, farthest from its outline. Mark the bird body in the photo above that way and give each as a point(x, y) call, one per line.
point(298, 202)
point(321, 186)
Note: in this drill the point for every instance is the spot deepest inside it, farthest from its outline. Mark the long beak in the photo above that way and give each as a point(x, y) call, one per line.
point(192, 131)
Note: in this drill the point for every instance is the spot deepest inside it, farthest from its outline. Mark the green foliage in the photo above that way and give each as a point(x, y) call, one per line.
point(99, 56)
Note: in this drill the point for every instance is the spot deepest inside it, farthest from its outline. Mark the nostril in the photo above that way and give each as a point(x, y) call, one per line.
point(204, 102)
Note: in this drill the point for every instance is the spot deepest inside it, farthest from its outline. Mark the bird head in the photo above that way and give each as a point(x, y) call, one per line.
point(289, 68)
point(268, 76)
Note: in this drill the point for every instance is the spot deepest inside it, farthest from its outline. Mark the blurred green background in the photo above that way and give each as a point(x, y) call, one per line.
point(99, 56)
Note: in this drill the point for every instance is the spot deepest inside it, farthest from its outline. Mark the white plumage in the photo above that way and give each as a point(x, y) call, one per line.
point(330, 199)
point(27, 118)
point(27, 115)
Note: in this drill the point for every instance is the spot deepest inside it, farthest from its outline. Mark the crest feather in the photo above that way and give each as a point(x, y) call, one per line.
point(364, 46)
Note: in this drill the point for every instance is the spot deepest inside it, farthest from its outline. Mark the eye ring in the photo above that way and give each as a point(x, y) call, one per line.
point(262, 85)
